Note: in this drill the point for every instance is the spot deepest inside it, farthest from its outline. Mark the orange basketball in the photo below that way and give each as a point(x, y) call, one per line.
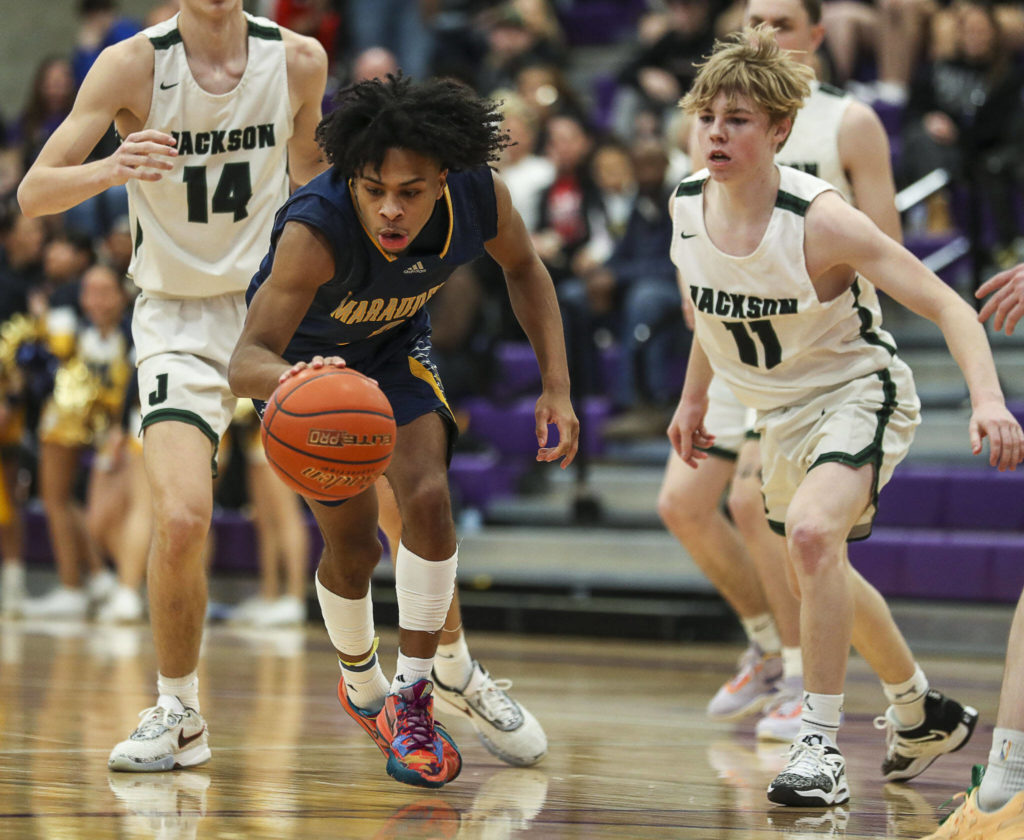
point(328, 433)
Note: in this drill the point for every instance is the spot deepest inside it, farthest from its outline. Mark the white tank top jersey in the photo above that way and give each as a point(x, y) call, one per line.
point(202, 229)
point(813, 144)
point(758, 317)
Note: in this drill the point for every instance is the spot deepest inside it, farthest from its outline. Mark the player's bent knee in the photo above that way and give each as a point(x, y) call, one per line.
point(813, 545)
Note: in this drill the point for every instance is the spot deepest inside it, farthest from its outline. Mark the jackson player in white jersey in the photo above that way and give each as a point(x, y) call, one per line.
point(842, 141)
point(211, 135)
point(772, 259)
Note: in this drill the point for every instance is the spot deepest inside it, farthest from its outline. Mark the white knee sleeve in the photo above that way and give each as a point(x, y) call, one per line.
point(349, 622)
point(424, 589)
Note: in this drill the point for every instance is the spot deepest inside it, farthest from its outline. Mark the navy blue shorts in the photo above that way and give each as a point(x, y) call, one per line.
point(407, 376)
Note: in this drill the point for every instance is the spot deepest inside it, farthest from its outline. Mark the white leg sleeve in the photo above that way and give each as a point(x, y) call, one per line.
point(349, 622)
point(424, 589)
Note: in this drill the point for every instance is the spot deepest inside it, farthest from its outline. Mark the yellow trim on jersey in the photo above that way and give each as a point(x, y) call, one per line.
point(421, 371)
point(376, 244)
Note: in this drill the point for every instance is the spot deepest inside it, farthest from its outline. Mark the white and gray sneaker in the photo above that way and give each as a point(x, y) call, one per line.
point(505, 727)
point(169, 735)
point(814, 775)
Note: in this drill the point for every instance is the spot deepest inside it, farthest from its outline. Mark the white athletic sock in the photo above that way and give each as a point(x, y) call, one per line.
point(453, 664)
point(365, 682)
point(761, 630)
point(1004, 776)
point(792, 663)
point(907, 699)
point(821, 715)
point(410, 670)
point(186, 688)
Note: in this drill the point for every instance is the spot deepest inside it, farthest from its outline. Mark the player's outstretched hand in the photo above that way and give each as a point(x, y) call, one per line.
point(1005, 438)
point(687, 433)
point(557, 409)
point(316, 363)
point(1007, 302)
point(142, 156)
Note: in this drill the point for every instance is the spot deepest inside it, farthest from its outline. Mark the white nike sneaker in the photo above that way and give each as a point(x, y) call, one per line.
point(169, 736)
point(505, 727)
point(814, 775)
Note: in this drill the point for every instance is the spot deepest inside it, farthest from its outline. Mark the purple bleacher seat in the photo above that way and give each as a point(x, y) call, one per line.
point(517, 370)
point(595, 22)
point(478, 478)
point(891, 115)
point(984, 500)
point(913, 498)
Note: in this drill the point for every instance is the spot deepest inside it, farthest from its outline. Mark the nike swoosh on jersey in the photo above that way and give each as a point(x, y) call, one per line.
point(168, 87)
point(686, 235)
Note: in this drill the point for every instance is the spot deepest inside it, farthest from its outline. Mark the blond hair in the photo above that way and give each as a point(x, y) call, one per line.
point(751, 64)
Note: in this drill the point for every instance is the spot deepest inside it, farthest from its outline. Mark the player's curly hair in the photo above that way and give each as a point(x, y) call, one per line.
point(441, 119)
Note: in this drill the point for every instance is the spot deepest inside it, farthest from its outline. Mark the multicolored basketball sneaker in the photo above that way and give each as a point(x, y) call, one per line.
point(968, 821)
point(751, 688)
point(421, 751)
point(367, 720)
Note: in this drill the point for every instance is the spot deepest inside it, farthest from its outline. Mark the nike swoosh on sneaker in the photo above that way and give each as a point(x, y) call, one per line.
point(184, 742)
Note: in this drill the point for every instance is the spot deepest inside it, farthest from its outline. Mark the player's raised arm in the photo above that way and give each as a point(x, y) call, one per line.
point(303, 261)
point(58, 179)
point(532, 295)
point(307, 76)
point(839, 235)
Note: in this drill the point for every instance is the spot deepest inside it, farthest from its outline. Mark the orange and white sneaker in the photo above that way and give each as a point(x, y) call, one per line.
point(969, 822)
point(421, 751)
point(754, 685)
point(367, 720)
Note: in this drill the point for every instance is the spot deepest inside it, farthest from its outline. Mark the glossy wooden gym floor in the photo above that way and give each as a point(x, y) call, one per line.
point(631, 753)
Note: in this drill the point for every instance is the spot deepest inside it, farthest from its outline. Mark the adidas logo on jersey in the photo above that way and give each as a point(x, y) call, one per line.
point(415, 268)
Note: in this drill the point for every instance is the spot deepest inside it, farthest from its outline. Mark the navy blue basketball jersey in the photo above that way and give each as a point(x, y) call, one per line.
point(375, 301)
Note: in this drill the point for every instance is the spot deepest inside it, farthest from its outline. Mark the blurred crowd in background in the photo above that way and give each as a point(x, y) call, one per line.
point(589, 91)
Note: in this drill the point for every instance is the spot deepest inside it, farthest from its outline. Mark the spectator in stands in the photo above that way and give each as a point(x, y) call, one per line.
point(99, 26)
point(964, 116)
point(374, 63)
point(662, 68)
point(515, 41)
point(49, 102)
point(21, 247)
point(526, 173)
point(88, 391)
point(648, 302)
point(320, 19)
point(403, 26)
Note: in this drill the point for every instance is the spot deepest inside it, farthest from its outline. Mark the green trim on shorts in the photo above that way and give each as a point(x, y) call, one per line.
point(719, 452)
point(750, 434)
point(872, 454)
point(180, 415)
point(857, 533)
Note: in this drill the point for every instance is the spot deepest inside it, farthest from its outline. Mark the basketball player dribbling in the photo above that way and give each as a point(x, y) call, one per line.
point(216, 109)
point(354, 257)
point(842, 141)
point(770, 257)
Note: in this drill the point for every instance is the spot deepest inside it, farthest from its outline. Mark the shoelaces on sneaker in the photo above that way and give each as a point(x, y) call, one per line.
point(155, 721)
point(805, 759)
point(496, 704)
point(415, 722)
